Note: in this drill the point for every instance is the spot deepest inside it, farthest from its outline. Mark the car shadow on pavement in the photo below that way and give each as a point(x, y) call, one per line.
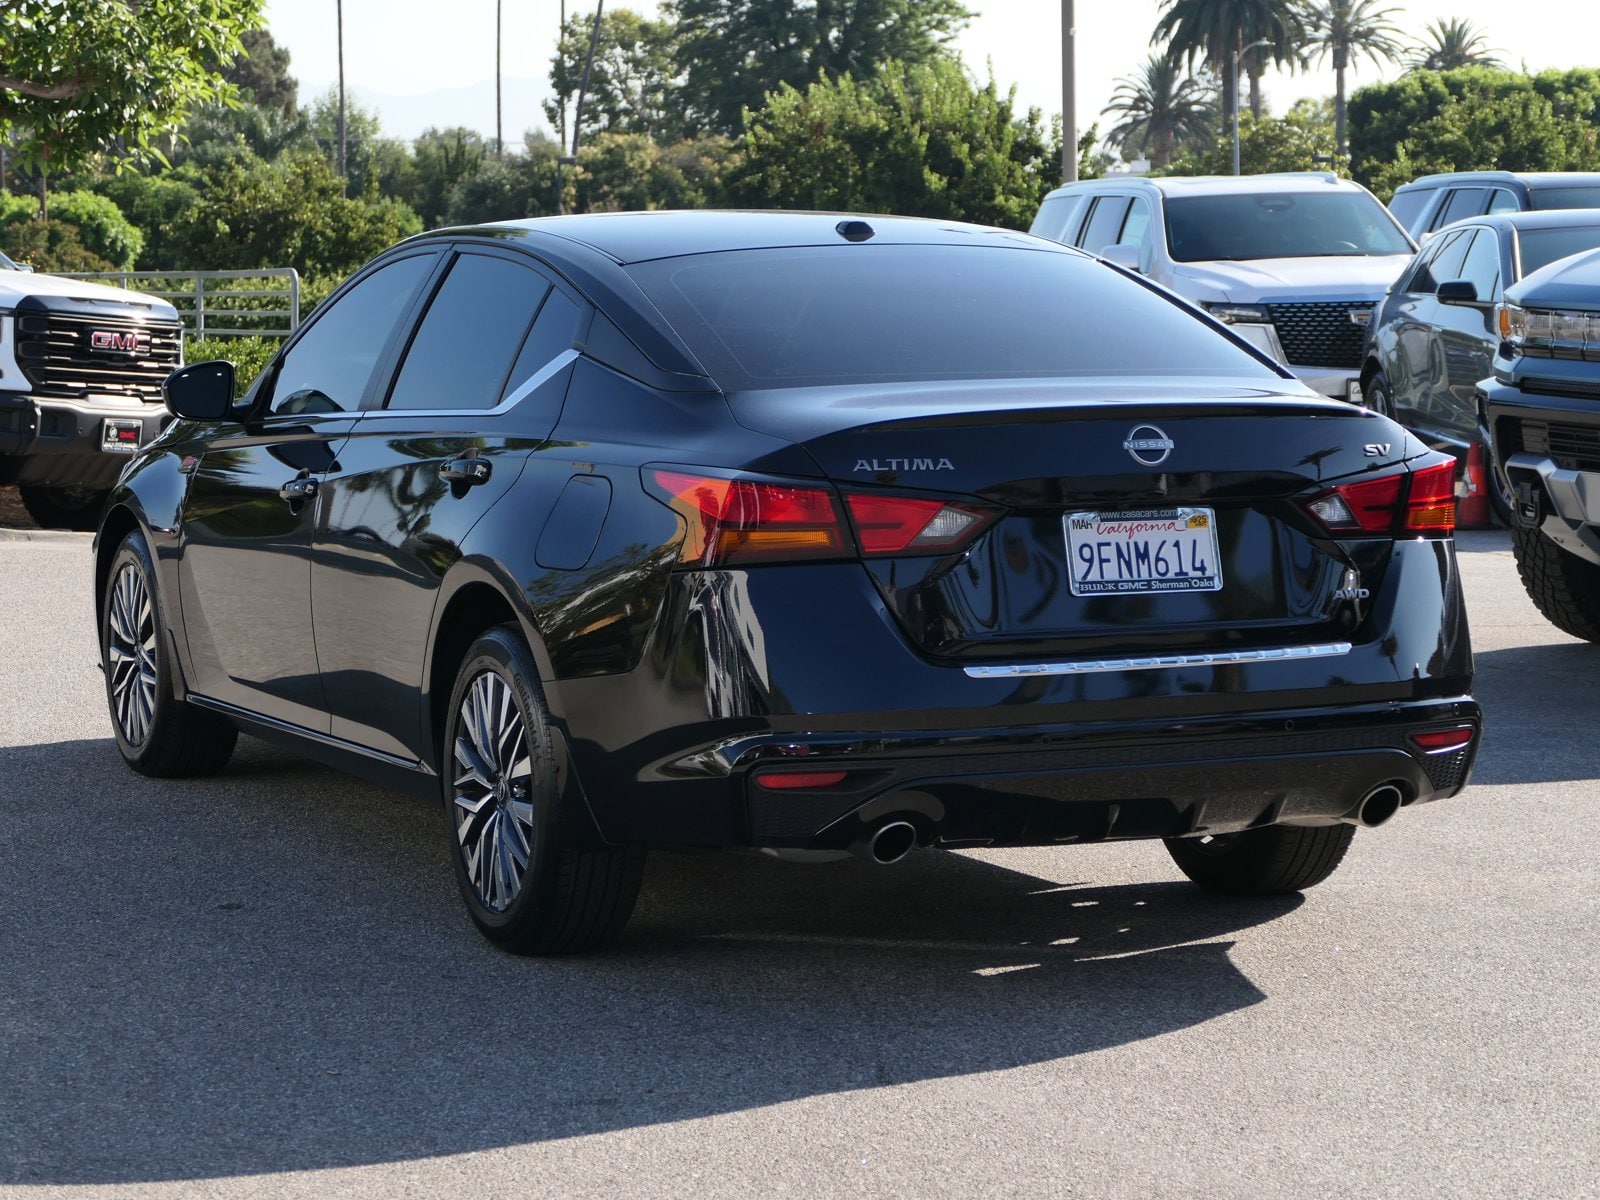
point(270, 971)
point(1534, 698)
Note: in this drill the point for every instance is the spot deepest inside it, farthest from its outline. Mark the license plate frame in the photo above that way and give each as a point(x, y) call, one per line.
point(112, 440)
point(1144, 552)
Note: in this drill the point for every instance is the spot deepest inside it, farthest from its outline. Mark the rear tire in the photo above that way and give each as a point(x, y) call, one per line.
point(1378, 397)
point(63, 508)
point(1562, 586)
point(527, 886)
point(1263, 862)
point(158, 734)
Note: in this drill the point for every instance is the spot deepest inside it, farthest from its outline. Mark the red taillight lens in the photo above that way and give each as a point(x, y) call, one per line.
point(1441, 741)
point(1419, 501)
point(748, 520)
point(910, 524)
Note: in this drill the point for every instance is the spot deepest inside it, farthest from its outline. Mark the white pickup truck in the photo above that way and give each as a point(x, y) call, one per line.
point(81, 368)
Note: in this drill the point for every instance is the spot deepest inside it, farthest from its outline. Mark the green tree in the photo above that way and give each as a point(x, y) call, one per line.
point(1452, 43)
point(920, 139)
point(631, 81)
point(1343, 30)
point(49, 246)
point(261, 73)
point(371, 161)
point(155, 204)
point(626, 172)
point(216, 134)
point(102, 228)
point(1161, 108)
point(440, 159)
point(1301, 140)
point(505, 189)
point(1210, 31)
point(85, 78)
point(730, 53)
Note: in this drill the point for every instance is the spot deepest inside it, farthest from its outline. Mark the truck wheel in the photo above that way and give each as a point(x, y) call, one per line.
point(1263, 862)
point(1562, 586)
point(63, 508)
point(157, 733)
point(526, 886)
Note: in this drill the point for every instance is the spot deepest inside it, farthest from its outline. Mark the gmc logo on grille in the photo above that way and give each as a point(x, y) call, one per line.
point(116, 342)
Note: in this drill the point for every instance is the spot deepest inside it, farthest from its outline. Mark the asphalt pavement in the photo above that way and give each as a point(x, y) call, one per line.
point(263, 984)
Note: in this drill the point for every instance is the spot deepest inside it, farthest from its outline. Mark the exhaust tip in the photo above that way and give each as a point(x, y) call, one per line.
point(1381, 803)
point(892, 842)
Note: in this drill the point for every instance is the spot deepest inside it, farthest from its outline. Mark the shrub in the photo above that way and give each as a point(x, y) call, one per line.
point(101, 226)
point(49, 246)
point(249, 355)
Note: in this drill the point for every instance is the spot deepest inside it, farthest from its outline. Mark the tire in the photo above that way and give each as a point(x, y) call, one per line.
point(1263, 862)
point(1378, 396)
point(527, 887)
point(158, 734)
point(63, 508)
point(1499, 486)
point(1562, 586)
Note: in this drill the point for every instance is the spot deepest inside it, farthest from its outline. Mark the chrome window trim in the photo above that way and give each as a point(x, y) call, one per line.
point(1156, 662)
point(535, 381)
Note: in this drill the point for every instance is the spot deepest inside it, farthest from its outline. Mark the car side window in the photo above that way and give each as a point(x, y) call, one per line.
point(1503, 201)
point(330, 364)
point(1463, 202)
point(1408, 206)
point(1481, 267)
point(1424, 280)
point(552, 333)
point(1105, 223)
point(470, 335)
point(1058, 218)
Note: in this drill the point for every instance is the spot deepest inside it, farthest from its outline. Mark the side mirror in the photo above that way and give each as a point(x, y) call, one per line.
point(200, 392)
point(1458, 291)
point(1126, 257)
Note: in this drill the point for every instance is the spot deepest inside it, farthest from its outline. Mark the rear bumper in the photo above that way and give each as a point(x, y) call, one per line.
point(52, 442)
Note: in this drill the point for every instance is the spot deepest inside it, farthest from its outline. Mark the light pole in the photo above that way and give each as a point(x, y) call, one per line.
point(1236, 54)
point(1069, 92)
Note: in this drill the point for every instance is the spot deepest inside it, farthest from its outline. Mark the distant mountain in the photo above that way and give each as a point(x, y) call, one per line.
point(471, 106)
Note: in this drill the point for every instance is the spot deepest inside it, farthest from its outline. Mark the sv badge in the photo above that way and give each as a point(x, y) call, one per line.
point(1376, 449)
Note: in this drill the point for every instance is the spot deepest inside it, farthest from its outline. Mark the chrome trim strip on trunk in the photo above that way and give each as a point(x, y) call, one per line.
point(1156, 662)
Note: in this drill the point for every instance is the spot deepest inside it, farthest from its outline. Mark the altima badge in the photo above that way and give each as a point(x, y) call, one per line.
point(1149, 446)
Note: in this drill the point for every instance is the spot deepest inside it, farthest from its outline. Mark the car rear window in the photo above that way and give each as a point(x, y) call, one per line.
point(861, 313)
point(1566, 197)
point(1541, 247)
point(1250, 225)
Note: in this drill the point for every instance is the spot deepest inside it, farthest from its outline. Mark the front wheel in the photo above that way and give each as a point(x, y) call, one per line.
point(527, 886)
point(63, 508)
point(1378, 397)
point(1263, 862)
point(1562, 586)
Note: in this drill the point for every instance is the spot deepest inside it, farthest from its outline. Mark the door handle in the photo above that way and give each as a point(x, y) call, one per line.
point(467, 470)
point(301, 487)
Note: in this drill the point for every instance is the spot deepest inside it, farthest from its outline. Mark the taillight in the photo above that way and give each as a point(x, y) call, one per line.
point(1419, 501)
point(734, 521)
point(749, 520)
point(888, 524)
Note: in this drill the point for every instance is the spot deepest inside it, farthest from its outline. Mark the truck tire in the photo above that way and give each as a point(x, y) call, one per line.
point(1562, 586)
point(1263, 862)
point(63, 508)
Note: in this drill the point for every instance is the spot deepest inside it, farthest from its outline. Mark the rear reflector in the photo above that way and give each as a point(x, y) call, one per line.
point(783, 780)
point(1441, 741)
point(1417, 501)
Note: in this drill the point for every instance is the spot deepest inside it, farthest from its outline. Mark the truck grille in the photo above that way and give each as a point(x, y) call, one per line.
point(1570, 447)
point(1320, 334)
point(59, 355)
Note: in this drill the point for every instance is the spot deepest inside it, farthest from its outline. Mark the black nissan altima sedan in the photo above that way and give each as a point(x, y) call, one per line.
point(795, 532)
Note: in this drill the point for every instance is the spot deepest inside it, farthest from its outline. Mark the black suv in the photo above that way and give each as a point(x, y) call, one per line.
point(1543, 416)
point(1434, 201)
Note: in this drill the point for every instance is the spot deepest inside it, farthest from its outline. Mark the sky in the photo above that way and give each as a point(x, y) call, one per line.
point(399, 50)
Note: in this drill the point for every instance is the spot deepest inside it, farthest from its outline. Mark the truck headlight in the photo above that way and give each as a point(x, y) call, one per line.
point(1238, 314)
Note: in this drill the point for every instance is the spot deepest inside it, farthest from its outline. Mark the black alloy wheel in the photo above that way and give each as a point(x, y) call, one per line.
point(1273, 860)
point(527, 886)
point(63, 508)
point(158, 733)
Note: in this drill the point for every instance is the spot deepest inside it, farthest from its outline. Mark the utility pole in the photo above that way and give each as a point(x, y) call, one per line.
point(1069, 95)
point(499, 136)
point(339, 9)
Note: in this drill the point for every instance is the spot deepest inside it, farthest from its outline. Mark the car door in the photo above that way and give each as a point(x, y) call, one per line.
point(1467, 340)
point(1415, 370)
point(252, 502)
point(477, 387)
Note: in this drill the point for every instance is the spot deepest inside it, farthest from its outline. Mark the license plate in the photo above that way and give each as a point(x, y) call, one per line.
point(1156, 550)
point(120, 437)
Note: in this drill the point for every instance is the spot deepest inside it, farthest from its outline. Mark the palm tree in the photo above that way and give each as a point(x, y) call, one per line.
point(1161, 109)
point(1343, 30)
point(1212, 31)
point(1455, 43)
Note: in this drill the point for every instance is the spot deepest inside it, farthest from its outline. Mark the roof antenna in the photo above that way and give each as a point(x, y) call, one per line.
point(854, 231)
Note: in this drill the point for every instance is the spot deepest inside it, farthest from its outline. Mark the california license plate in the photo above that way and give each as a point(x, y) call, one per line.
point(1154, 550)
point(120, 437)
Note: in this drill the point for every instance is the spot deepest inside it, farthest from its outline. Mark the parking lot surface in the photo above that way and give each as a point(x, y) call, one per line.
point(263, 984)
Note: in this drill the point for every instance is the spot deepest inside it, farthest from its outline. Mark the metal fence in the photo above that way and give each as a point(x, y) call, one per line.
point(219, 303)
